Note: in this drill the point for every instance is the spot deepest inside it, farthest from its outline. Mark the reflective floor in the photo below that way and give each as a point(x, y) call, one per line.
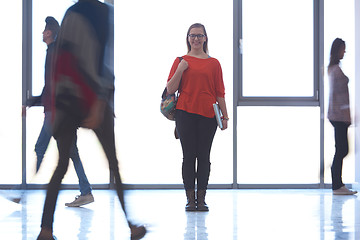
point(234, 214)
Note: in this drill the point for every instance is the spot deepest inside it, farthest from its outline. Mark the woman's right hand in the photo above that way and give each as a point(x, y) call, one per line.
point(183, 65)
point(173, 85)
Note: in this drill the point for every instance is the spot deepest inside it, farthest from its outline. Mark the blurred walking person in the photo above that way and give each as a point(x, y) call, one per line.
point(83, 94)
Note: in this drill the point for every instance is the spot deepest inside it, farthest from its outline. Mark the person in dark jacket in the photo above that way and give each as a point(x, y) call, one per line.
point(49, 36)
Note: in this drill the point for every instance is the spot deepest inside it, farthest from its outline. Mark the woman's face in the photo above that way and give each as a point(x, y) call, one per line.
point(342, 52)
point(196, 38)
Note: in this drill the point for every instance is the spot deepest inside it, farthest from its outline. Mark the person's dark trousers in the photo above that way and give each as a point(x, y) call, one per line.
point(64, 141)
point(196, 134)
point(105, 134)
point(341, 150)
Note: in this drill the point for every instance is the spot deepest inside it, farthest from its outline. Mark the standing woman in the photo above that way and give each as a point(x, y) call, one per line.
point(199, 78)
point(339, 114)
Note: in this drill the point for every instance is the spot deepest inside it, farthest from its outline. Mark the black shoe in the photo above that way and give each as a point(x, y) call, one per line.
point(190, 207)
point(137, 232)
point(201, 204)
point(202, 207)
point(46, 234)
point(190, 196)
point(44, 238)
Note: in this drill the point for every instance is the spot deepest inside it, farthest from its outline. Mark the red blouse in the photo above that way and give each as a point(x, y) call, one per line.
point(201, 83)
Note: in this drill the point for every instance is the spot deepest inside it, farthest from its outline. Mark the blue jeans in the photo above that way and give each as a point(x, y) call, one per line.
point(42, 144)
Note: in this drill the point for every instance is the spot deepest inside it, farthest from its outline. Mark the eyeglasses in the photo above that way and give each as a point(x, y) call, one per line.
point(193, 36)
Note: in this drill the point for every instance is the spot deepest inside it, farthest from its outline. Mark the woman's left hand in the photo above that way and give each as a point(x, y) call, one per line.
point(225, 124)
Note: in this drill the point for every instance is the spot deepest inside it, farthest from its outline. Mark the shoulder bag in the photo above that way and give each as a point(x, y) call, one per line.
point(168, 102)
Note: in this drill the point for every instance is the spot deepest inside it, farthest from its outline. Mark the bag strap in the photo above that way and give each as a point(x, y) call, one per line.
point(178, 91)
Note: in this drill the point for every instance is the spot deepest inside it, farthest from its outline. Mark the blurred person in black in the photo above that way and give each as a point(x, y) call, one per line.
point(49, 36)
point(83, 95)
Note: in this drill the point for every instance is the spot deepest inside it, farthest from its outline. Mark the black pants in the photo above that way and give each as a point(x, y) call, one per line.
point(105, 134)
point(341, 150)
point(196, 134)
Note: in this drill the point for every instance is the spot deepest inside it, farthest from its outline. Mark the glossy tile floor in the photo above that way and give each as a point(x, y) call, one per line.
point(234, 214)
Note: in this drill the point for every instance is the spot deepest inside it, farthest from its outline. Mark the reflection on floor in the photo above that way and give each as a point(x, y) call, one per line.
point(234, 214)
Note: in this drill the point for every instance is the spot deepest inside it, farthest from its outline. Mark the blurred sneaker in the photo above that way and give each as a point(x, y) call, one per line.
point(344, 191)
point(81, 200)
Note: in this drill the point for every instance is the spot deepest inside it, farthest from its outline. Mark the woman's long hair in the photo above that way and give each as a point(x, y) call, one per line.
point(197, 25)
point(337, 45)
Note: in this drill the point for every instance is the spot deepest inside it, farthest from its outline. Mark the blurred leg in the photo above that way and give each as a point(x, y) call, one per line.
point(64, 141)
point(105, 134)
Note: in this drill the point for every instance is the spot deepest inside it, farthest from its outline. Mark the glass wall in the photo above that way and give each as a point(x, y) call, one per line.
point(149, 35)
point(277, 48)
point(278, 145)
point(340, 23)
point(11, 65)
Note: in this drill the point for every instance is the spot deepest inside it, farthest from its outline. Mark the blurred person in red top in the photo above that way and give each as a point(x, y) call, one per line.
point(199, 78)
point(83, 96)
